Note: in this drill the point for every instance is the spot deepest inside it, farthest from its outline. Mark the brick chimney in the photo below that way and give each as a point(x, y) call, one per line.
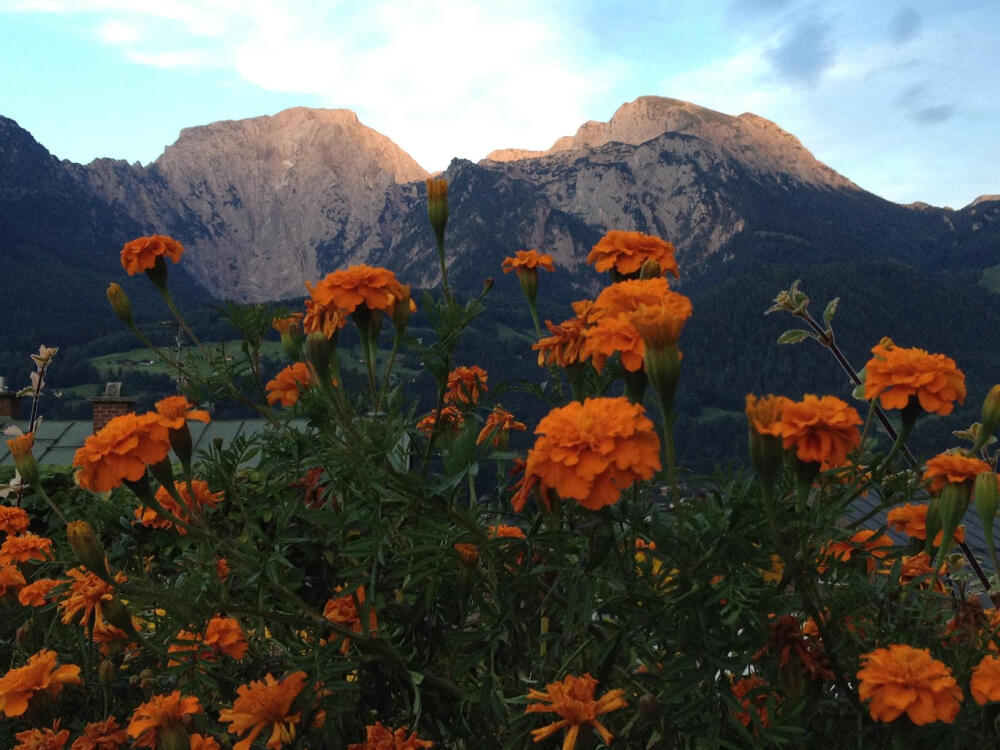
point(9, 402)
point(112, 404)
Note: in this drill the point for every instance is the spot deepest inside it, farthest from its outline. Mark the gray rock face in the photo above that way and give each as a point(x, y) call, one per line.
point(265, 204)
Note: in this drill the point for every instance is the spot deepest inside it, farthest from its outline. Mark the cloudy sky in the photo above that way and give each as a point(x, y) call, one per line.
point(901, 96)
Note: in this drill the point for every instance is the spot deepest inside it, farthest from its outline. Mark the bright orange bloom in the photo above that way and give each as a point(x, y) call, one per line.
point(85, 597)
point(952, 468)
point(592, 451)
point(121, 450)
point(11, 579)
point(822, 430)
point(902, 679)
point(223, 636)
point(468, 552)
point(203, 498)
point(283, 325)
point(919, 568)
point(573, 700)
point(465, 386)
point(13, 520)
point(176, 411)
point(528, 259)
point(498, 424)
point(346, 290)
point(262, 703)
point(21, 446)
point(201, 742)
point(42, 739)
point(627, 251)
point(42, 673)
point(141, 254)
point(161, 714)
point(626, 297)
point(451, 419)
point(25, 547)
point(36, 594)
point(565, 346)
point(752, 693)
point(764, 414)
point(378, 737)
point(862, 541)
point(286, 387)
point(660, 324)
point(503, 531)
point(101, 735)
point(342, 611)
point(985, 682)
point(896, 374)
point(610, 335)
point(911, 519)
point(318, 318)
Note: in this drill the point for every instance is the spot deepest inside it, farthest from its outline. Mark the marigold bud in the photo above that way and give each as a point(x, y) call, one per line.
point(119, 303)
point(437, 205)
point(106, 672)
point(22, 633)
point(990, 415)
point(24, 460)
point(954, 500)
point(87, 547)
point(318, 352)
point(117, 614)
point(402, 308)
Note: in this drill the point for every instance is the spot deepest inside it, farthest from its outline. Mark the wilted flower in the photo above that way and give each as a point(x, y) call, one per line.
point(465, 386)
point(573, 700)
point(343, 611)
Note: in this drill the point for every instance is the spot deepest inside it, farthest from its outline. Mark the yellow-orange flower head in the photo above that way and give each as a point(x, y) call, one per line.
point(346, 290)
point(573, 700)
point(286, 387)
point(465, 386)
point(42, 673)
point(379, 737)
point(625, 252)
point(592, 451)
point(985, 682)
point(953, 468)
point(902, 679)
point(822, 430)
point(176, 411)
point(895, 374)
point(141, 254)
point(159, 715)
point(530, 260)
point(121, 451)
point(264, 703)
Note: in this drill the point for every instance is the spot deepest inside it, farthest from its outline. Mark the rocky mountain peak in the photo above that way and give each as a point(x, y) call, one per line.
point(755, 141)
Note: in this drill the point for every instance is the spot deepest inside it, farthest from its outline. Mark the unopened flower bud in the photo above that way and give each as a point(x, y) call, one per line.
point(106, 672)
point(437, 205)
point(318, 352)
point(117, 614)
point(22, 633)
point(954, 500)
point(649, 706)
point(146, 679)
point(24, 460)
point(986, 495)
point(87, 547)
point(990, 415)
point(650, 269)
point(119, 303)
point(401, 310)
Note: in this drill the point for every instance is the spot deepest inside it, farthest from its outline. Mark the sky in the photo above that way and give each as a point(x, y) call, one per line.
point(900, 96)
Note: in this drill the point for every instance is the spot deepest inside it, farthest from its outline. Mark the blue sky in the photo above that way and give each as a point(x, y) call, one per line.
point(900, 96)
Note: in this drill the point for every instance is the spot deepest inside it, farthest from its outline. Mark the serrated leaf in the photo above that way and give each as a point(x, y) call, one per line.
point(793, 336)
point(831, 308)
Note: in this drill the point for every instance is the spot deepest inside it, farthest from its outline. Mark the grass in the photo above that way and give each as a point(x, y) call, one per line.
point(990, 279)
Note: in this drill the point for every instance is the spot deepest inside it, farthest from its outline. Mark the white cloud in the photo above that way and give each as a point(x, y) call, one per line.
point(119, 32)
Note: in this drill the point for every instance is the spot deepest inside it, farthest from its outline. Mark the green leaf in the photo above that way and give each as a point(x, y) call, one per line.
point(831, 308)
point(793, 336)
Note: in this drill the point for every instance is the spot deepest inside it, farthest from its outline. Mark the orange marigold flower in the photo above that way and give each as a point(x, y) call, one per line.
point(262, 703)
point(503, 531)
point(378, 737)
point(451, 420)
point(283, 325)
point(52, 738)
point(877, 547)
point(21, 445)
point(498, 424)
point(953, 468)
point(573, 700)
point(13, 520)
point(902, 679)
point(468, 552)
point(565, 346)
point(528, 259)
point(85, 597)
point(911, 519)
point(752, 693)
point(42, 673)
point(223, 636)
point(161, 714)
point(25, 547)
point(201, 742)
point(346, 290)
point(593, 451)
point(611, 335)
point(343, 611)
point(626, 297)
point(203, 498)
point(660, 324)
point(101, 735)
point(141, 254)
point(176, 411)
point(896, 374)
point(822, 430)
point(286, 387)
point(120, 451)
point(764, 414)
point(985, 682)
point(318, 318)
point(465, 386)
point(625, 252)
point(919, 568)
point(11, 579)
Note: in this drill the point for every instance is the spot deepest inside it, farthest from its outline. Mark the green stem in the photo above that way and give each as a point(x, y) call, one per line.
point(180, 319)
point(444, 269)
point(396, 340)
point(667, 417)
